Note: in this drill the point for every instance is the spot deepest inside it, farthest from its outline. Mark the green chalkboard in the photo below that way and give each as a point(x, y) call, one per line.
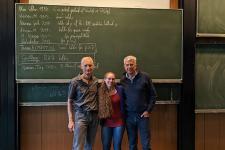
point(51, 40)
point(57, 92)
point(40, 92)
point(210, 17)
point(210, 76)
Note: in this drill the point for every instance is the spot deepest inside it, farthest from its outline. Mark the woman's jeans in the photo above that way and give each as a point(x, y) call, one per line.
point(135, 122)
point(112, 133)
point(86, 124)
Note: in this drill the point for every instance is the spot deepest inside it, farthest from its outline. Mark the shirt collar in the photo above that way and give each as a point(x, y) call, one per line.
point(80, 77)
point(131, 78)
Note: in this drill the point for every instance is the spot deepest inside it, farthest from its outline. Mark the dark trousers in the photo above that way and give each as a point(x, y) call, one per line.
point(135, 123)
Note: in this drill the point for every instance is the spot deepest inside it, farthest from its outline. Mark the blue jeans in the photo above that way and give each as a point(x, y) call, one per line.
point(86, 124)
point(135, 122)
point(112, 133)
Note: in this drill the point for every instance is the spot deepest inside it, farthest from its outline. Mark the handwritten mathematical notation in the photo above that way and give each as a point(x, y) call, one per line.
point(50, 37)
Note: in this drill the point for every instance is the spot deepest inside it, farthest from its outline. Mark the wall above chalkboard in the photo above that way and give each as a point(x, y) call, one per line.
point(210, 18)
point(51, 40)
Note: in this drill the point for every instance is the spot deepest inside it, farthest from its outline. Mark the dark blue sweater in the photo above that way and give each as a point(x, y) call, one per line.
point(140, 94)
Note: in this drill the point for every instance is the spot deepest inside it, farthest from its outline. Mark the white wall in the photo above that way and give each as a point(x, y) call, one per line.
point(162, 4)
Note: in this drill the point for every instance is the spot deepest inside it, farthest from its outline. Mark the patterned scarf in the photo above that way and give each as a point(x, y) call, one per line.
point(105, 109)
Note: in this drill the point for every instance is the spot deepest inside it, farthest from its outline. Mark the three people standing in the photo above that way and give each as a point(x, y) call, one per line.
point(130, 104)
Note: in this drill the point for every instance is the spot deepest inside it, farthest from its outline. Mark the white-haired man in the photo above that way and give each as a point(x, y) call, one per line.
point(140, 97)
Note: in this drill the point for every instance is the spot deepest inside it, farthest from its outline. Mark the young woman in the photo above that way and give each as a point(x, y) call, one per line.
point(110, 112)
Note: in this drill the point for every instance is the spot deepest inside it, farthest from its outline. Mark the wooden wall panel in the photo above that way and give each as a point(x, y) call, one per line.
point(210, 131)
point(174, 4)
point(164, 127)
point(54, 129)
point(45, 128)
point(222, 132)
point(199, 132)
point(30, 128)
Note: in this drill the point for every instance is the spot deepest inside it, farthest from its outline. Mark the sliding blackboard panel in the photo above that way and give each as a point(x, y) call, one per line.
point(168, 92)
point(57, 92)
point(41, 92)
point(210, 77)
point(210, 17)
point(51, 40)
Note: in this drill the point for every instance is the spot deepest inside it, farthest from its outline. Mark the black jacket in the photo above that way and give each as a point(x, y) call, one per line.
point(140, 94)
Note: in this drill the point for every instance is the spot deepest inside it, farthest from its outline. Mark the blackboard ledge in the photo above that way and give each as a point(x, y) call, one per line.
point(43, 104)
point(43, 80)
point(100, 80)
point(160, 102)
point(209, 35)
point(199, 111)
point(171, 102)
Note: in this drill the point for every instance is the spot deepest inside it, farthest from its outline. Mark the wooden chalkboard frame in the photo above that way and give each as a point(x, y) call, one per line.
point(203, 34)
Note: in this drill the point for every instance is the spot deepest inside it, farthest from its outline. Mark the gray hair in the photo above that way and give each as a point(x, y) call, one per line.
point(130, 57)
